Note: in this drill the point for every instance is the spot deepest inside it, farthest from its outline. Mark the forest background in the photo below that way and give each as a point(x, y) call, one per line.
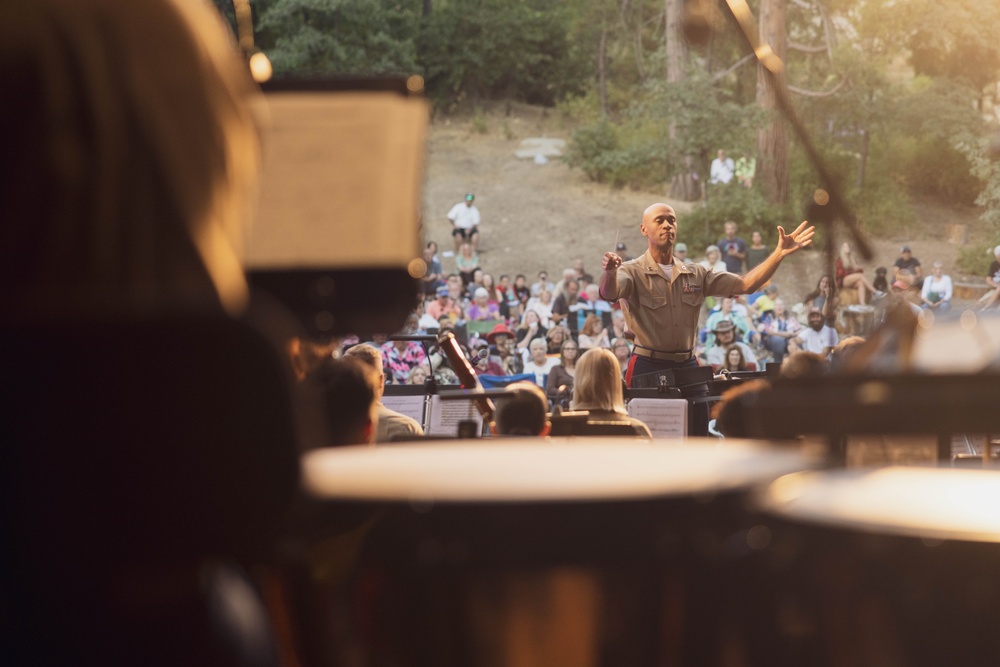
point(900, 97)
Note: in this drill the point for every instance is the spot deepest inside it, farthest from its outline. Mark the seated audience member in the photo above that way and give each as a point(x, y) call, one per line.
point(543, 283)
point(622, 351)
point(497, 295)
point(456, 289)
point(805, 364)
point(593, 334)
point(725, 313)
point(822, 298)
point(511, 308)
point(762, 303)
point(417, 376)
point(444, 306)
point(725, 337)
point(399, 357)
point(542, 304)
point(713, 259)
point(503, 353)
point(434, 277)
point(565, 304)
point(777, 329)
point(617, 328)
point(992, 298)
point(734, 359)
point(524, 414)
point(482, 362)
point(540, 362)
point(818, 337)
point(530, 329)
point(907, 262)
point(425, 322)
point(598, 389)
point(349, 397)
point(680, 252)
point(937, 290)
point(560, 381)
point(556, 336)
point(482, 309)
point(466, 263)
point(521, 291)
point(390, 422)
point(851, 275)
point(622, 251)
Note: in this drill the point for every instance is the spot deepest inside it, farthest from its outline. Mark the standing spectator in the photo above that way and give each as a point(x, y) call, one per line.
point(937, 289)
point(434, 277)
point(777, 329)
point(466, 262)
point(722, 169)
point(757, 252)
point(713, 259)
point(464, 219)
point(818, 337)
point(745, 169)
point(559, 384)
point(540, 363)
point(907, 262)
point(592, 334)
point(543, 282)
point(733, 249)
point(622, 251)
point(850, 275)
point(681, 253)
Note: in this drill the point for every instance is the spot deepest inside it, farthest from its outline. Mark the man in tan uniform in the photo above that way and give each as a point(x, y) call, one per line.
point(662, 299)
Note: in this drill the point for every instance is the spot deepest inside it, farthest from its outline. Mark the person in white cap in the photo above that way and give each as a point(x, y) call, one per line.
point(464, 219)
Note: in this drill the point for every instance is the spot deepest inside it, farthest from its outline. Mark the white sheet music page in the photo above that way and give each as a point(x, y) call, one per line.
point(411, 406)
point(665, 417)
point(443, 416)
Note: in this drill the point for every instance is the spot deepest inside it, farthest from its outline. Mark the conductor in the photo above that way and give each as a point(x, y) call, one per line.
point(662, 297)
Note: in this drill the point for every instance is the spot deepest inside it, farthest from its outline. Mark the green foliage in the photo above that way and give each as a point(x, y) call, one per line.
point(985, 167)
point(662, 124)
point(975, 260)
point(323, 37)
point(744, 206)
point(479, 125)
point(498, 49)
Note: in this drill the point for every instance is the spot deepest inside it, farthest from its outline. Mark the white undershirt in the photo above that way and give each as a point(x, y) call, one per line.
point(668, 269)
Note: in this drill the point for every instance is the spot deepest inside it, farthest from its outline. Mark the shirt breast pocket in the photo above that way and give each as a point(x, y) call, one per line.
point(693, 299)
point(652, 301)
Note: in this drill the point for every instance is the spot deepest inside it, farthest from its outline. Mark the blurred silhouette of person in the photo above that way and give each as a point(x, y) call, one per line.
point(523, 414)
point(351, 399)
point(391, 424)
point(598, 389)
point(130, 158)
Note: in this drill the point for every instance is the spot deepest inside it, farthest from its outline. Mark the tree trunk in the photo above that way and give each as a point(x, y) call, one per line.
point(677, 51)
point(863, 161)
point(602, 85)
point(772, 139)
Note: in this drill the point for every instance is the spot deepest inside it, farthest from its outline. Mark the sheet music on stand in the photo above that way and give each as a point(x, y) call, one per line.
point(665, 417)
point(443, 416)
point(409, 405)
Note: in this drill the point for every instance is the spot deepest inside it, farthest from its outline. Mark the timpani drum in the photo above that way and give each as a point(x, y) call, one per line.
point(556, 552)
point(893, 566)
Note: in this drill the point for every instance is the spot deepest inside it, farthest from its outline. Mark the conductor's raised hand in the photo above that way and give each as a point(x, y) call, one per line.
point(611, 261)
point(800, 238)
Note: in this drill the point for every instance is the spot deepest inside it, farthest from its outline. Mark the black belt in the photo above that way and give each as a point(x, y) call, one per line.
point(662, 356)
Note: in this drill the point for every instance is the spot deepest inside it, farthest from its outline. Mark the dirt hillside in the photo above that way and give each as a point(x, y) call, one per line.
point(546, 216)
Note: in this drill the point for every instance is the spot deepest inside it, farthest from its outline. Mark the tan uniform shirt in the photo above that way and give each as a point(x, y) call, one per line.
point(663, 313)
